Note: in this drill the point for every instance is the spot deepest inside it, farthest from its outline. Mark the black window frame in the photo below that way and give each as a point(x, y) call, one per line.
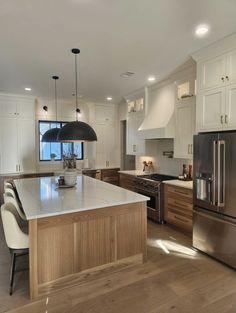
point(58, 122)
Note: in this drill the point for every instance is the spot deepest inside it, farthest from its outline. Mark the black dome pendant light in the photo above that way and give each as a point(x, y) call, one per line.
point(51, 134)
point(76, 131)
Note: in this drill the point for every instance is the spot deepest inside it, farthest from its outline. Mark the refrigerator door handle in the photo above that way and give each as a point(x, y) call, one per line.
point(221, 174)
point(214, 173)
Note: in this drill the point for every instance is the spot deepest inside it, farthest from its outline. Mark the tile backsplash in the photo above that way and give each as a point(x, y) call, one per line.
point(161, 163)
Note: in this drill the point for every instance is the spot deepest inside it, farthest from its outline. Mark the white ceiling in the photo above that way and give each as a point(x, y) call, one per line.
point(144, 36)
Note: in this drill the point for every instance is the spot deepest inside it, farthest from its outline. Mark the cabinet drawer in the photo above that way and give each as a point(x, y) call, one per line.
point(180, 221)
point(179, 204)
point(179, 191)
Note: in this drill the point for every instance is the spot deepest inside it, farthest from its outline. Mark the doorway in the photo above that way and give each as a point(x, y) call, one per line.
point(127, 161)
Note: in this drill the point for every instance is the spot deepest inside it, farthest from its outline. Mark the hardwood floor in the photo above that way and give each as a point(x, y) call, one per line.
point(174, 279)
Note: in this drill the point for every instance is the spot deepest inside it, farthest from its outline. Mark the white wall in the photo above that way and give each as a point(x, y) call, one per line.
point(162, 164)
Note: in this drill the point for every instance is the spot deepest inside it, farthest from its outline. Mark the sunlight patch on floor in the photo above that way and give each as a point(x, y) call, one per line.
point(174, 248)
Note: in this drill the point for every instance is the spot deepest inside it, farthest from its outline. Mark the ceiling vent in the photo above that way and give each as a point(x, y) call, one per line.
point(127, 74)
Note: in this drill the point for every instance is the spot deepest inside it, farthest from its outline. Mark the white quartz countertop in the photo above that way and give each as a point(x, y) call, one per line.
point(180, 183)
point(40, 197)
point(133, 172)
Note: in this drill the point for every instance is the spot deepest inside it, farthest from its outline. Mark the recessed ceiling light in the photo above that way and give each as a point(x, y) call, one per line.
point(27, 88)
point(201, 30)
point(127, 74)
point(109, 98)
point(151, 78)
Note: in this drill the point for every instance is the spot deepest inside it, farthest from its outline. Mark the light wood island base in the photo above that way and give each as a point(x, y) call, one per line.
point(64, 249)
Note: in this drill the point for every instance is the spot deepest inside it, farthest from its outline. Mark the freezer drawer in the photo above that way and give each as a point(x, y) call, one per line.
point(215, 237)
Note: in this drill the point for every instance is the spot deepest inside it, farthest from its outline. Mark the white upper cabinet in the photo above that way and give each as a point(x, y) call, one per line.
point(230, 108)
point(184, 129)
point(210, 109)
point(134, 144)
point(216, 95)
point(231, 67)
point(17, 134)
point(212, 73)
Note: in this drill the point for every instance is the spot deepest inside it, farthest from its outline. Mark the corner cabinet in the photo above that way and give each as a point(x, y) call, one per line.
point(17, 134)
point(184, 128)
point(216, 95)
point(134, 144)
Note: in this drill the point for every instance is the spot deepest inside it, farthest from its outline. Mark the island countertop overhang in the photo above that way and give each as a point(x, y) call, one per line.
point(40, 197)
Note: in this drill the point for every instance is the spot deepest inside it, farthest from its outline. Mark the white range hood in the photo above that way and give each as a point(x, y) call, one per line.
point(159, 121)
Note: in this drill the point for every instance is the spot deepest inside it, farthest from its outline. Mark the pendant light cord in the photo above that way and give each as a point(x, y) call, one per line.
point(56, 97)
point(76, 86)
point(55, 79)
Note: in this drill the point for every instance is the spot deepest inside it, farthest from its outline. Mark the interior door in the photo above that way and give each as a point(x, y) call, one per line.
point(205, 171)
point(228, 179)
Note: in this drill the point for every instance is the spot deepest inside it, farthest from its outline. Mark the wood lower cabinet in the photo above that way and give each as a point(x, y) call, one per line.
point(179, 207)
point(127, 181)
point(110, 176)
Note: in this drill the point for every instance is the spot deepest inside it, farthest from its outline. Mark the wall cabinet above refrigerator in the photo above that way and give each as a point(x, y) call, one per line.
point(216, 86)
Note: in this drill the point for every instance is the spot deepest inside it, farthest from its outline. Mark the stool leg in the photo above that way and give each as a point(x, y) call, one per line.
point(12, 273)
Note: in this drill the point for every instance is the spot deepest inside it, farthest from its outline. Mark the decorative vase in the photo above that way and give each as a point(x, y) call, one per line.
point(70, 176)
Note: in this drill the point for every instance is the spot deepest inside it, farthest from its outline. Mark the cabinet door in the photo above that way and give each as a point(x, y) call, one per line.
point(100, 145)
point(130, 132)
point(7, 106)
point(184, 130)
point(230, 107)
point(26, 145)
point(26, 108)
point(110, 145)
point(140, 143)
point(210, 109)
point(212, 72)
point(231, 67)
point(8, 146)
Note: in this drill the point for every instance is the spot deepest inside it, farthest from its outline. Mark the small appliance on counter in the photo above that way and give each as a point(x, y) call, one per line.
point(214, 195)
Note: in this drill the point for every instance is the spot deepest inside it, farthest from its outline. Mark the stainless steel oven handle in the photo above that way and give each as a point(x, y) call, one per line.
point(214, 174)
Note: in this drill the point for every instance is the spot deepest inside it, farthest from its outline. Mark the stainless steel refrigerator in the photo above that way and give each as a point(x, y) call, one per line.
point(214, 192)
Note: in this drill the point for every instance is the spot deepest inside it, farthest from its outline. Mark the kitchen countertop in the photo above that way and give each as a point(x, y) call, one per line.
point(40, 197)
point(179, 183)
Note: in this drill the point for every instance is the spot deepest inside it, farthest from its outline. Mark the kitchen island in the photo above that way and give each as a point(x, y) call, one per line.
point(79, 230)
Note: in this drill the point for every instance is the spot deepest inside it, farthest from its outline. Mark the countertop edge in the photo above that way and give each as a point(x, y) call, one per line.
point(179, 183)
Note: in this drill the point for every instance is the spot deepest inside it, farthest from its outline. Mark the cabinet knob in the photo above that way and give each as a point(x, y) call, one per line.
point(227, 77)
point(222, 78)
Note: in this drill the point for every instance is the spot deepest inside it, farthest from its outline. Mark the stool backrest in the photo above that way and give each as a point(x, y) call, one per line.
point(9, 198)
point(15, 237)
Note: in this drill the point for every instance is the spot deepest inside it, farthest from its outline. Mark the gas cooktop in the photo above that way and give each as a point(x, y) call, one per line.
point(157, 177)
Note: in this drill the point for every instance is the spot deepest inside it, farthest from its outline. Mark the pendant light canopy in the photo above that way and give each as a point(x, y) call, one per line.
point(51, 134)
point(76, 131)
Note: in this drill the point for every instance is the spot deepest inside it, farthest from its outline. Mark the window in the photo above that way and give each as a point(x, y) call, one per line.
point(46, 149)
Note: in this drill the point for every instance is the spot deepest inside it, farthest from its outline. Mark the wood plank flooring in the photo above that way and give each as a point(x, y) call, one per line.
point(175, 279)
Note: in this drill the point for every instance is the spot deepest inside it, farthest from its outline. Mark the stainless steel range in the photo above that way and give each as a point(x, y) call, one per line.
point(152, 187)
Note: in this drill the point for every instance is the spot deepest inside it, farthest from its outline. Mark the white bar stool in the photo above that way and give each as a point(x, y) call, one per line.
point(17, 241)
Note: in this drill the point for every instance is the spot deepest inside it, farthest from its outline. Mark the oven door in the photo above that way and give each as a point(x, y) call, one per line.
point(153, 206)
